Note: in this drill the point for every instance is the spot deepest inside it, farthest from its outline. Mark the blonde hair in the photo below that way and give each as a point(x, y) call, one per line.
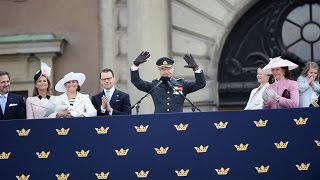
point(308, 66)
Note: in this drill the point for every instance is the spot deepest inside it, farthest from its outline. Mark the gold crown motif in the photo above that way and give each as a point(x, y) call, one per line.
point(182, 172)
point(142, 174)
point(161, 150)
point(201, 149)
point(301, 121)
point(102, 130)
point(317, 142)
point(262, 169)
point(303, 167)
point(63, 131)
point(141, 128)
point(82, 153)
point(181, 127)
point(43, 155)
point(63, 176)
point(122, 152)
point(281, 145)
point(23, 177)
point(261, 123)
point(4, 155)
point(23, 132)
point(221, 125)
point(241, 147)
point(102, 175)
point(222, 171)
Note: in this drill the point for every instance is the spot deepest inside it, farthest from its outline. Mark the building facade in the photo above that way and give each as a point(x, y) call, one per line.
point(229, 39)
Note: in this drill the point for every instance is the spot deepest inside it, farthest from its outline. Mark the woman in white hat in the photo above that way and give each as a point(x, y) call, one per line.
point(255, 100)
point(283, 93)
point(41, 104)
point(72, 102)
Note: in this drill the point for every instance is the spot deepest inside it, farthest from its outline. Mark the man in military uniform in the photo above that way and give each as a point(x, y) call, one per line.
point(166, 99)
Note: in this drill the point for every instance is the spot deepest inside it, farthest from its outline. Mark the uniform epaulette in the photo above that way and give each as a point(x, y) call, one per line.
point(179, 79)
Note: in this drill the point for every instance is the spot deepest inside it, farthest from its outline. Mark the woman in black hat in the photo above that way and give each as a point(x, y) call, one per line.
point(41, 104)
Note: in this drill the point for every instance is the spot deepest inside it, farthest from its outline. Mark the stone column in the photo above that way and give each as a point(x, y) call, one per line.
point(148, 30)
point(108, 34)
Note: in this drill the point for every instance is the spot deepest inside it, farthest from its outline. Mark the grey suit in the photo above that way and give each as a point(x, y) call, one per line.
point(164, 98)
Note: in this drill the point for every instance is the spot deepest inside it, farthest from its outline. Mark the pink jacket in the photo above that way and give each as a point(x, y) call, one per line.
point(279, 87)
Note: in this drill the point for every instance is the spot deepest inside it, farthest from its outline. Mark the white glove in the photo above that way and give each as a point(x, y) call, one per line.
point(265, 97)
point(273, 94)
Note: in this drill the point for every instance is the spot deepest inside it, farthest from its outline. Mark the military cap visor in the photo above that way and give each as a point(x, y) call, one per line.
point(164, 62)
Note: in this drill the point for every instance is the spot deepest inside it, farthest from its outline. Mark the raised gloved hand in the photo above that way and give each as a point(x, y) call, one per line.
point(144, 55)
point(273, 94)
point(265, 97)
point(190, 61)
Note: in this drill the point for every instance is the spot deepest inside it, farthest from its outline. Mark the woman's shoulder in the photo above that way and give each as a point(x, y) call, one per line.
point(83, 95)
point(32, 99)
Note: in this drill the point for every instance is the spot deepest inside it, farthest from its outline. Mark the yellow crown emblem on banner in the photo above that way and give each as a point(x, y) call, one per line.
point(102, 175)
point(122, 152)
point(281, 145)
point(23, 132)
point(221, 125)
point(262, 169)
point(102, 130)
point(201, 149)
point(4, 155)
point(82, 153)
point(181, 127)
point(23, 177)
point(301, 121)
point(222, 171)
point(317, 142)
point(63, 176)
point(43, 155)
point(303, 167)
point(241, 147)
point(161, 150)
point(63, 131)
point(261, 123)
point(182, 172)
point(142, 174)
point(141, 128)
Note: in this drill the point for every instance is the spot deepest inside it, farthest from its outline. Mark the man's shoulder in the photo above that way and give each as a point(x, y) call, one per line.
point(13, 95)
point(121, 92)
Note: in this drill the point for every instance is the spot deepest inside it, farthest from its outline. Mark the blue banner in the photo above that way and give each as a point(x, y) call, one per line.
point(261, 144)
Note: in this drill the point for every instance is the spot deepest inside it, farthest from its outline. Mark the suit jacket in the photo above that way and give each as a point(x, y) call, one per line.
point(120, 103)
point(15, 108)
point(166, 99)
point(279, 87)
point(37, 109)
point(306, 91)
point(81, 107)
point(255, 100)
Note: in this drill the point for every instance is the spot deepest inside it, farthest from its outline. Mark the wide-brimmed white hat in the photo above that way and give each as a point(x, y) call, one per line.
point(80, 77)
point(278, 62)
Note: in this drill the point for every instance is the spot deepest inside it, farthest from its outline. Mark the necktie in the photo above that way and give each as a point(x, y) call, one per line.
point(3, 104)
point(108, 95)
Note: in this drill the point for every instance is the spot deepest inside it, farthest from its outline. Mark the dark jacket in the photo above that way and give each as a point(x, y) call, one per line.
point(15, 108)
point(120, 103)
point(165, 99)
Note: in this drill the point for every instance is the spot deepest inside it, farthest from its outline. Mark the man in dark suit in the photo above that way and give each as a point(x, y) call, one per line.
point(12, 105)
point(110, 101)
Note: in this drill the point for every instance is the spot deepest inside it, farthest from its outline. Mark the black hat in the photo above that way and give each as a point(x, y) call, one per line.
point(45, 70)
point(37, 75)
point(164, 62)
